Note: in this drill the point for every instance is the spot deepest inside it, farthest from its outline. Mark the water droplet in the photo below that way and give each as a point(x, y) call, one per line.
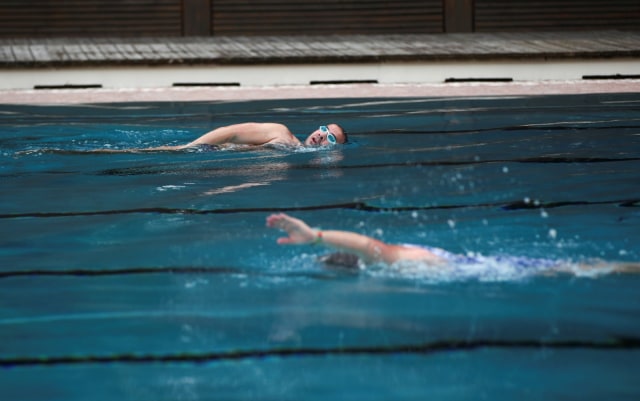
point(505, 169)
point(553, 234)
point(451, 223)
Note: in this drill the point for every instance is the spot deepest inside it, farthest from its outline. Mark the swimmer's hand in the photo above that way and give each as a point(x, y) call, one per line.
point(299, 232)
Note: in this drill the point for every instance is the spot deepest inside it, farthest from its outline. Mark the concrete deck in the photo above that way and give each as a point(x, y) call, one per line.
point(180, 94)
point(81, 52)
point(229, 66)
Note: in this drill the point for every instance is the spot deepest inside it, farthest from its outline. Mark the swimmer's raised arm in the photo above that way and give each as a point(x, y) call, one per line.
point(248, 134)
point(367, 248)
point(370, 250)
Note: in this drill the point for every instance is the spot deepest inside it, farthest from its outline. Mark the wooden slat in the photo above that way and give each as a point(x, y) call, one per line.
point(134, 18)
point(526, 15)
point(72, 18)
point(305, 17)
point(196, 17)
point(458, 15)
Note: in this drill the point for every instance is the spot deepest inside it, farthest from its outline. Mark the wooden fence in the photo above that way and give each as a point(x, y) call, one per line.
point(135, 18)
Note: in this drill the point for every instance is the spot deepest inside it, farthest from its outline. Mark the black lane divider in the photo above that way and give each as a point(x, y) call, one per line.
point(126, 271)
point(617, 344)
point(550, 205)
point(435, 163)
point(532, 127)
point(516, 205)
point(161, 210)
point(155, 170)
point(440, 163)
point(184, 270)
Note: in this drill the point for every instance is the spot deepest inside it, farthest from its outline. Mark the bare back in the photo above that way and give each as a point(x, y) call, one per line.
point(249, 134)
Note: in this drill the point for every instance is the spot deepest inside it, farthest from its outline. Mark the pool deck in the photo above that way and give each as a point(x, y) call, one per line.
point(76, 96)
point(199, 68)
point(43, 53)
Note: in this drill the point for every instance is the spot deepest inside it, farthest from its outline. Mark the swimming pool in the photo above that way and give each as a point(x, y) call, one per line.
point(152, 276)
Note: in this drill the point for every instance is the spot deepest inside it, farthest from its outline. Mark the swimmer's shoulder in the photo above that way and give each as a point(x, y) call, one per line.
point(429, 253)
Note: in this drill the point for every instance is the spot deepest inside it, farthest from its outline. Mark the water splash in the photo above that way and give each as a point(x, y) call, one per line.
point(482, 268)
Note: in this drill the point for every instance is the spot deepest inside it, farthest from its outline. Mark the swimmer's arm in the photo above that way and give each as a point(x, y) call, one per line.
point(245, 134)
point(371, 250)
point(368, 249)
point(239, 134)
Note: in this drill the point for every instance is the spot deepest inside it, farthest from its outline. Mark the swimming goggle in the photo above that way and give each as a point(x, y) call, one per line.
point(330, 137)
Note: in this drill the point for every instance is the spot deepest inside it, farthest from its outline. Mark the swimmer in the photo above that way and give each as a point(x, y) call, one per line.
point(368, 249)
point(354, 247)
point(251, 134)
point(261, 134)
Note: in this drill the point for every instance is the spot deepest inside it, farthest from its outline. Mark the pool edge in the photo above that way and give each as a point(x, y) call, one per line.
point(186, 94)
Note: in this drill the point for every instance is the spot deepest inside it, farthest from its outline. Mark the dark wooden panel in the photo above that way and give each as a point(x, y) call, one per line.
point(72, 18)
point(196, 17)
point(311, 17)
point(458, 15)
point(526, 15)
point(76, 18)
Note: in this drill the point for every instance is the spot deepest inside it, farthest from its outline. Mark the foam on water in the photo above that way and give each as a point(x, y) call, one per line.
point(487, 269)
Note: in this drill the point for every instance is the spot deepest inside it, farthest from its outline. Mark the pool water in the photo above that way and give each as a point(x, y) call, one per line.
point(152, 276)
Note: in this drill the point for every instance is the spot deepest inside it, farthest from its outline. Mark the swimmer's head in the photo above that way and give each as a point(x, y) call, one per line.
point(329, 134)
point(341, 260)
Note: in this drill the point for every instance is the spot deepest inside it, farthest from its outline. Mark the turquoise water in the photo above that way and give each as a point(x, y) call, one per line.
point(151, 275)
